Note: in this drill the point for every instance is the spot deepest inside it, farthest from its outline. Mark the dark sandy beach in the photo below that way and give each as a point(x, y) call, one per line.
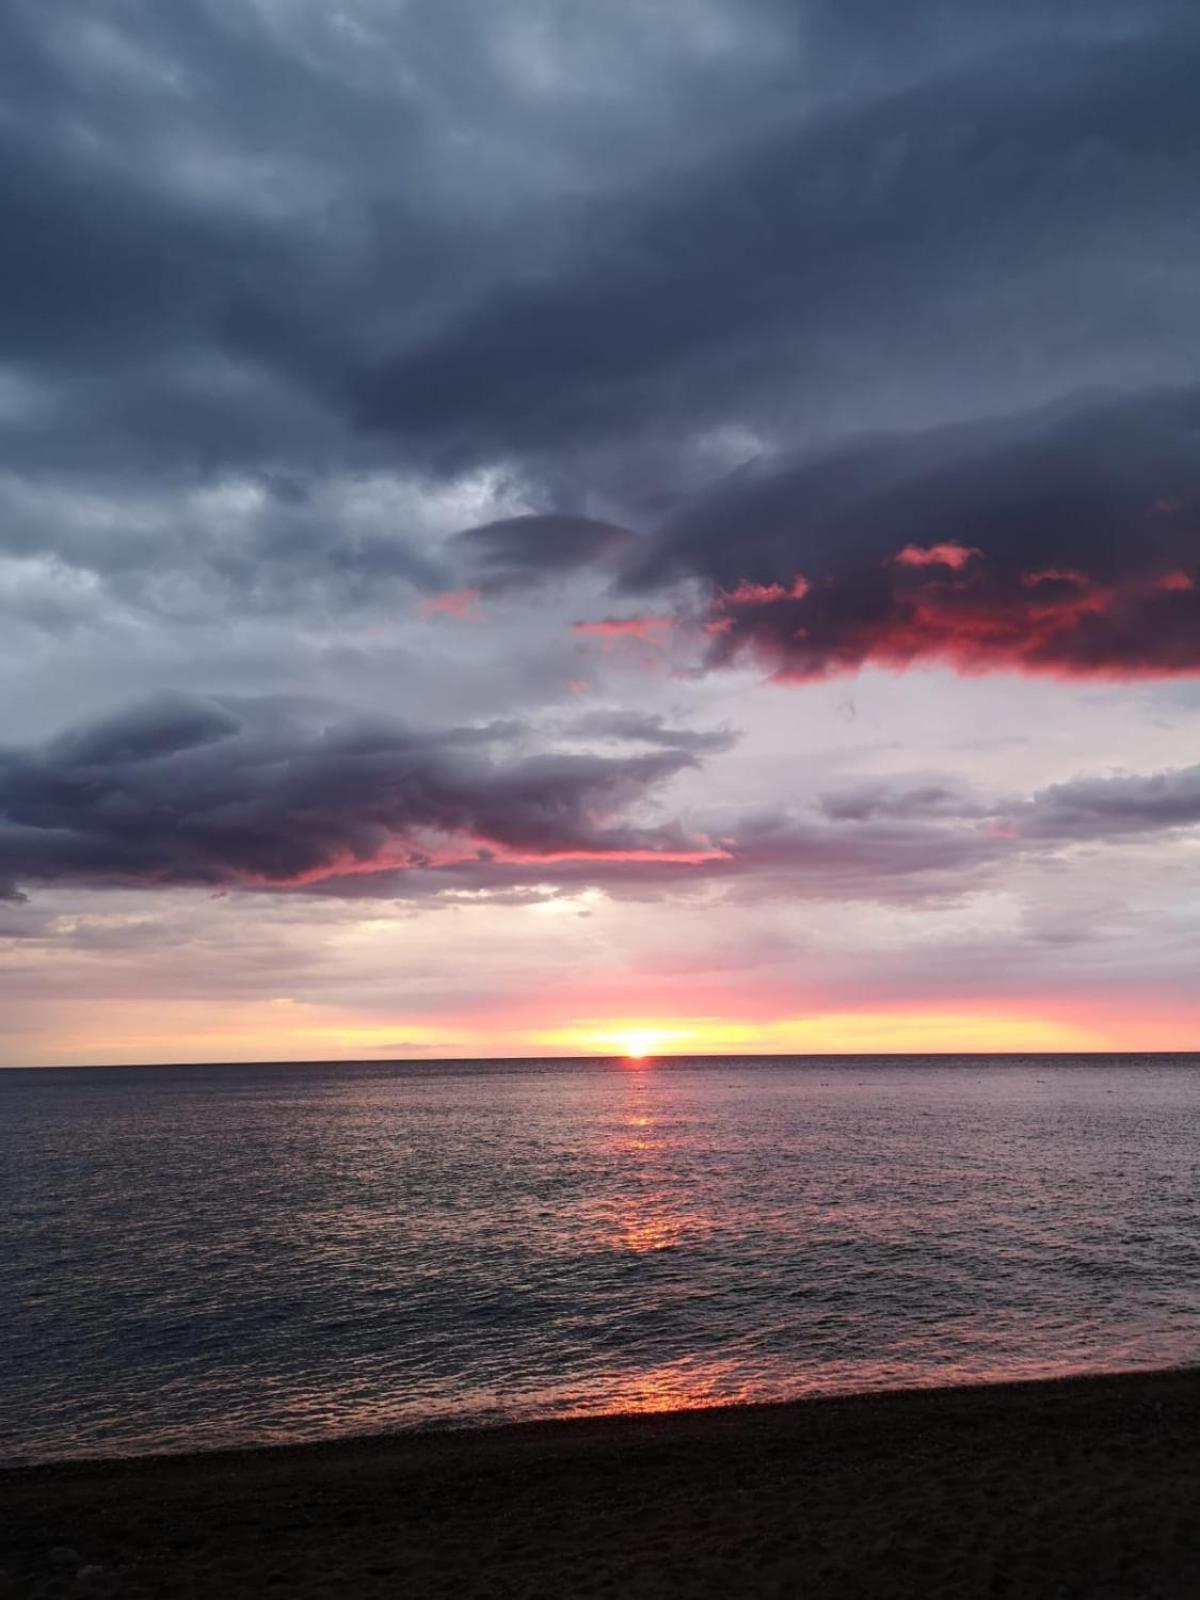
point(1088, 1487)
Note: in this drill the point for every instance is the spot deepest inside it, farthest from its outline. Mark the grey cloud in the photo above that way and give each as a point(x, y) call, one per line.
point(1113, 808)
point(1062, 483)
point(224, 217)
point(879, 797)
point(307, 179)
point(258, 544)
point(897, 856)
point(166, 726)
point(520, 552)
point(304, 245)
point(1005, 193)
point(873, 858)
point(183, 792)
point(910, 840)
point(186, 791)
point(643, 727)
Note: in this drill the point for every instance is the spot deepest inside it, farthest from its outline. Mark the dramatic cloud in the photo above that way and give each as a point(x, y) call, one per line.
point(1006, 192)
point(229, 217)
point(182, 791)
point(1065, 542)
point(598, 261)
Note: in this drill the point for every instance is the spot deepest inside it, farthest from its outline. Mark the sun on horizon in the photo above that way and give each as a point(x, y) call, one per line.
point(637, 1046)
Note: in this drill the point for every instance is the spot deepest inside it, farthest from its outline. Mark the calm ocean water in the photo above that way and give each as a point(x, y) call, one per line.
point(204, 1256)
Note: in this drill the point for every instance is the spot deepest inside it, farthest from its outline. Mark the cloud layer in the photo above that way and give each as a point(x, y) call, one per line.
point(185, 792)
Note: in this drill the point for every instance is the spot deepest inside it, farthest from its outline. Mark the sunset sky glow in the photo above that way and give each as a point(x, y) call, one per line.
point(634, 529)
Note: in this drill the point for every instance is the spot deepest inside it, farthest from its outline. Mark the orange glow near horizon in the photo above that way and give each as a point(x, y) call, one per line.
point(830, 1033)
point(288, 1029)
point(634, 1040)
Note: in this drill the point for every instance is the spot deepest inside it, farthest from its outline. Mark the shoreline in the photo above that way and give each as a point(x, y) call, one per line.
point(1073, 1485)
point(532, 1429)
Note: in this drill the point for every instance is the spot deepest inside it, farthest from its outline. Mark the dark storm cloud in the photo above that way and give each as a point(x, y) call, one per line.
point(185, 791)
point(322, 224)
point(1019, 196)
point(166, 726)
point(147, 315)
point(1065, 541)
point(292, 244)
point(113, 245)
point(225, 216)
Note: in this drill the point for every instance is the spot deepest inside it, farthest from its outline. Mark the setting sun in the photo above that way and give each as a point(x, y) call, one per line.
point(637, 1046)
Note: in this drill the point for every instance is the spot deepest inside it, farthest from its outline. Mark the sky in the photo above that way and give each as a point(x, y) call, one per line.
point(539, 528)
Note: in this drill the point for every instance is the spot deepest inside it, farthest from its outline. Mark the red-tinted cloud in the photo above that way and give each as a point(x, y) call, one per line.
point(1065, 542)
point(764, 594)
point(948, 554)
point(1176, 582)
point(647, 628)
point(183, 790)
point(186, 792)
point(461, 604)
point(1054, 624)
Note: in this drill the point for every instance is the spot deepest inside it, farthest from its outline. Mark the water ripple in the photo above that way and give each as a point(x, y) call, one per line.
point(214, 1256)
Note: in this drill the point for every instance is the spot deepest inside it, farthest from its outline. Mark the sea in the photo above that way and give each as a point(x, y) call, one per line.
point(206, 1256)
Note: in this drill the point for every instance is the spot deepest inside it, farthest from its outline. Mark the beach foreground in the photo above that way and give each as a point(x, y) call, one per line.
point(1085, 1487)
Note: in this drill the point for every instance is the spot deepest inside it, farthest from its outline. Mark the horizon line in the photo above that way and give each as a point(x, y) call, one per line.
point(615, 1056)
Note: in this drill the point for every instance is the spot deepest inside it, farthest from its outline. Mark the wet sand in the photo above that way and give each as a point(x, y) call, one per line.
point(1087, 1487)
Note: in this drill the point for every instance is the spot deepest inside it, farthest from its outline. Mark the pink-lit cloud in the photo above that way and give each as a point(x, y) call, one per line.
point(1077, 556)
point(1055, 625)
point(763, 594)
point(461, 604)
point(650, 628)
point(948, 554)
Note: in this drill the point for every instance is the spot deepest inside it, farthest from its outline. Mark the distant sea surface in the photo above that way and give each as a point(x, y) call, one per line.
point(207, 1256)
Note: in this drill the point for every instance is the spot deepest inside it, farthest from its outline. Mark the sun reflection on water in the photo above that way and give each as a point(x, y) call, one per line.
point(652, 1213)
point(333, 1250)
